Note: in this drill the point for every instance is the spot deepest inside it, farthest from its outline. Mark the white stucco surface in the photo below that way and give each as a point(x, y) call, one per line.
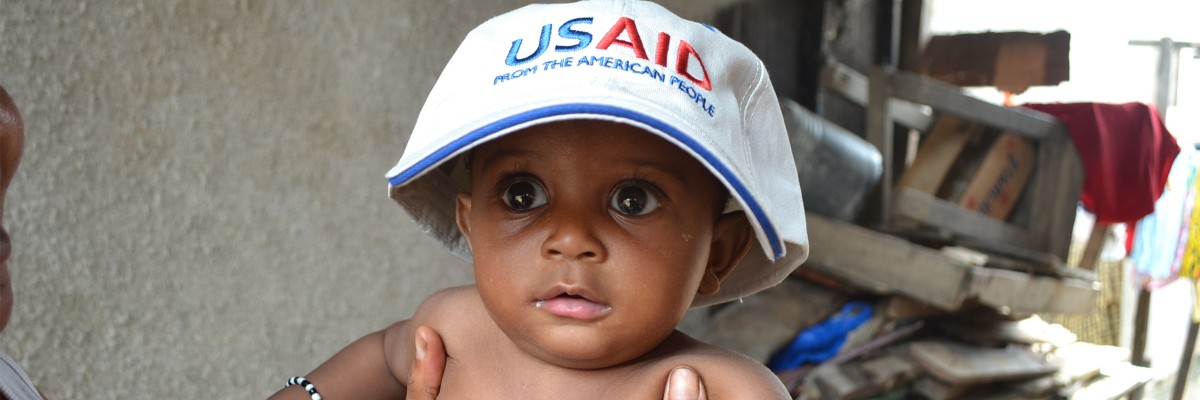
point(201, 209)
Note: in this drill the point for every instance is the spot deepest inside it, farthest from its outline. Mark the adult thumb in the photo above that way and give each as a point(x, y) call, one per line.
point(684, 384)
point(429, 362)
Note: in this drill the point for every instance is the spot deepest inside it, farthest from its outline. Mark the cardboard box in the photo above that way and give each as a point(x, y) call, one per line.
point(1009, 61)
point(997, 185)
point(937, 154)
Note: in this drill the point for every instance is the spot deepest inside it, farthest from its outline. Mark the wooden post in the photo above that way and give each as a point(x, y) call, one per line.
point(1141, 320)
point(1189, 347)
point(1095, 244)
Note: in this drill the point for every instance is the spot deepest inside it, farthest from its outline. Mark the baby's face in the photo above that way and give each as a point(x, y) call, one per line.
point(590, 238)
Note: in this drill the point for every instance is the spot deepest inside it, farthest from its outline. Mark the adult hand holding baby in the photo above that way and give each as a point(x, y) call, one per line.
point(426, 379)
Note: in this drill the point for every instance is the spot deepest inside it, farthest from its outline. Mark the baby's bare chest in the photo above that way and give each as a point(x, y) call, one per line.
point(521, 380)
point(484, 363)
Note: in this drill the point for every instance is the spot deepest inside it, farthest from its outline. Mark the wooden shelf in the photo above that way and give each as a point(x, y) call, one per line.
point(885, 264)
point(902, 98)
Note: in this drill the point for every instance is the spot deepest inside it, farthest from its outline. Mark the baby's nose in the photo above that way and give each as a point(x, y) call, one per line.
point(572, 238)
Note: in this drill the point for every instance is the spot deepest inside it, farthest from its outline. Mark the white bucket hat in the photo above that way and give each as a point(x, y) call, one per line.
point(627, 61)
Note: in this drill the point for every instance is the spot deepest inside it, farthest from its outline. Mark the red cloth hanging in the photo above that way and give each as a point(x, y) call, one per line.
point(1126, 152)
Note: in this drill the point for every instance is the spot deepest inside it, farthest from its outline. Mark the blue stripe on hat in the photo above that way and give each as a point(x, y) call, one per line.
point(454, 146)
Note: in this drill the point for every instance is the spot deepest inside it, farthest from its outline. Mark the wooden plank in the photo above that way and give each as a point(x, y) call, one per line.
point(1073, 296)
point(959, 364)
point(1054, 193)
point(1141, 322)
point(1039, 388)
point(1080, 361)
point(948, 98)
point(879, 131)
point(1115, 382)
point(847, 82)
point(1095, 243)
point(854, 86)
point(1014, 257)
point(884, 264)
point(1024, 293)
point(1000, 332)
point(935, 212)
point(888, 371)
point(901, 307)
point(859, 379)
point(1011, 291)
point(933, 389)
point(1185, 361)
point(836, 382)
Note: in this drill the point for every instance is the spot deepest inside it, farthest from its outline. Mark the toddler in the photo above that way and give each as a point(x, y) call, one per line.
point(606, 166)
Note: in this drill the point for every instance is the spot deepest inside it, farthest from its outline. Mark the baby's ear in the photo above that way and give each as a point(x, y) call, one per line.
point(732, 236)
point(462, 212)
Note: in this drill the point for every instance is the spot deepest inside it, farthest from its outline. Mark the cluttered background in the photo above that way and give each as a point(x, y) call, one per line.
point(201, 206)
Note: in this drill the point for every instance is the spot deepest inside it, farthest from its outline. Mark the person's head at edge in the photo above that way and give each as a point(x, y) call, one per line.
point(12, 140)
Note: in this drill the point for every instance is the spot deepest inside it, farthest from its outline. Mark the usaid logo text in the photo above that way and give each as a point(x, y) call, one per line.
point(691, 73)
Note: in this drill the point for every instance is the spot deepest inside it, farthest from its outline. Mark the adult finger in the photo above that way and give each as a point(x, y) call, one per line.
point(425, 379)
point(684, 384)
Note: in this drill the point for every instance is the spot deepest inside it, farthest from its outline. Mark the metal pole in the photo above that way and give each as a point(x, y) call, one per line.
point(1164, 94)
point(1167, 71)
point(1164, 97)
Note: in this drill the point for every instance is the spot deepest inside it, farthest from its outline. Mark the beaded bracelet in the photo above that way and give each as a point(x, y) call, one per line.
point(312, 389)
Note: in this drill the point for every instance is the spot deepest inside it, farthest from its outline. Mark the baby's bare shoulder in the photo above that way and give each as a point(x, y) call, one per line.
point(450, 311)
point(448, 299)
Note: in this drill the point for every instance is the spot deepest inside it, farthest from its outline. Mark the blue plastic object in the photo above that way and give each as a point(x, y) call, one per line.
point(822, 341)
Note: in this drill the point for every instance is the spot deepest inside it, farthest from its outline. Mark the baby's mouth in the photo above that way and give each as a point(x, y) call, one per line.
point(572, 305)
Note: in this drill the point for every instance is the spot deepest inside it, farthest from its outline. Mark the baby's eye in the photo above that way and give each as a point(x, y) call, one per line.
point(524, 195)
point(634, 200)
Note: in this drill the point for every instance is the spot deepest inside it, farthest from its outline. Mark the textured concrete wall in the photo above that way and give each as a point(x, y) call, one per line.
point(201, 209)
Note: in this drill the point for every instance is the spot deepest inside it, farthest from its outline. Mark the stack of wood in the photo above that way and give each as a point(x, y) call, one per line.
point(953, 359)
point(910, 351)
point(950, 359)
